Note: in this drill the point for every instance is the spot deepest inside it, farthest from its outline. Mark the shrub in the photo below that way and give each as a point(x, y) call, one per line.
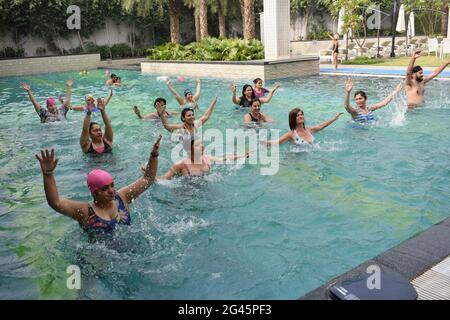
point(210, 49)
point(10, 52)
point(41, 51)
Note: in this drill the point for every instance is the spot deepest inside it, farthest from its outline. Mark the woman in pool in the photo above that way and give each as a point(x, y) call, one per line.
point(110, 207)
point(196, 163)
point(154, 115)
point(300, 134)
point(189, 100)
point(189, 125)
point(90, 103)
point(92, 139)
point(51, 113)
point(255, 115)
point(362, 113)
point(259, 90)
point(248, 94)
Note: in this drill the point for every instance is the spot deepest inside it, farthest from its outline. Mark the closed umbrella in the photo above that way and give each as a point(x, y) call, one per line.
point(411, 28)
point(340, 26)
point(401, 25)
point(448, 23)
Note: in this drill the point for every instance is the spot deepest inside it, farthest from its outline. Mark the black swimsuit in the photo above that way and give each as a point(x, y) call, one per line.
point(244, 103)
point(107, 148)
point(335, 48)
point(253, 118)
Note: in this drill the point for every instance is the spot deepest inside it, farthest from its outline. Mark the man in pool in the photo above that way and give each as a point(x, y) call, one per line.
point(52, 113)
point(114, 81)
point(415, 81)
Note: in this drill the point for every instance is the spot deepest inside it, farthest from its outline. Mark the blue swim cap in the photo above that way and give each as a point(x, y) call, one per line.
point(187, 91)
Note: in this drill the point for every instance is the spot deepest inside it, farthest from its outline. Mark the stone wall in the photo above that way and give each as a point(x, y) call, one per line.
point(26, 66)
point(235, 70)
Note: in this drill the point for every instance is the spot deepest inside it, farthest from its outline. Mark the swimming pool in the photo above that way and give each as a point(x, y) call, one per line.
point(235, 234)
point(378, 71)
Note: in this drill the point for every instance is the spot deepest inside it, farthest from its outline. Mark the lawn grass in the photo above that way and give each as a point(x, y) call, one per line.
point(424, 61)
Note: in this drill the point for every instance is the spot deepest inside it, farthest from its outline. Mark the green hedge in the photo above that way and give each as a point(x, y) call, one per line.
point(210, 49)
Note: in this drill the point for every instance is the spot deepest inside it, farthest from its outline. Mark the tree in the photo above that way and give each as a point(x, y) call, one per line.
point(248, 18)
point(220, 7)
point(308, 9)
point(428, 14)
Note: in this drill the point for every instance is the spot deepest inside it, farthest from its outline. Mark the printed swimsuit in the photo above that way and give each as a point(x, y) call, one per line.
point(97, 225)
point(262, 93)
point(300, 141)
point(47, 116)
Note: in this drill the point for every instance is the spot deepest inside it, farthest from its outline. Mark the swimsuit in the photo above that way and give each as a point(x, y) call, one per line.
point(335, 48)
point(97, 225)
point(106, 149)
point(47, 116)
point(253, 118)
point(262, 93)
point(95, 108)
point(244, 103)
point(364, 118)
point(299, 140)
point(192, 105)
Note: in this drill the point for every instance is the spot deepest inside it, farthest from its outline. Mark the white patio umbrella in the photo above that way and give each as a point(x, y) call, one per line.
point(340, 26)
point(401, 25)
point(411, 28)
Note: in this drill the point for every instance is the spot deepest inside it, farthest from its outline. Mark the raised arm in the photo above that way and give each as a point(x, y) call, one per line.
point(348, 89)
point(162, 114)
point(84, 138)
point(436, 72)
point(176, 168)
point(67, 103)
point(74, 209)
point(409, 70)
point(269, 97)
point(387, 99)
point(325, 123)
point(108, 98)
point(108, 128)
point(36, 105)
point(134, 190)
point(177, 96)
point(285, 137)
point(197, 91)
point(235, 99)
point(208, 111)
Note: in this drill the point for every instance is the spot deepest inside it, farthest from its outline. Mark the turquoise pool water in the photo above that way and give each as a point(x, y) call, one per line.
point(235, 234)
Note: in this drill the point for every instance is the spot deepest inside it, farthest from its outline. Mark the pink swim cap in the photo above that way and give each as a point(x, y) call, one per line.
point(98, 178)
point(50, 100)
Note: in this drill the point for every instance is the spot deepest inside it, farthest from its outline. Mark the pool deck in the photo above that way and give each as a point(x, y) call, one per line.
point(423, 259)
point(376, 71)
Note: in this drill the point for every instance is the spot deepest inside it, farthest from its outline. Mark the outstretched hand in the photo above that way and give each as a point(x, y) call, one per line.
point(168, 82)
point(160, 108)
point(136, 110)
point(69, 83)
point(399, 87)
point(101, 104)
point(276, 88)
point(25, 86)
point(215, 100)
point(47, 161)
point(349, 85)
point(338, 115)
point(417, 54)
point(233, 88)
point(155, 150)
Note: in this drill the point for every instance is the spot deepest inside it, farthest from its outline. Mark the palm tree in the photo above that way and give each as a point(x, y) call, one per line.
point(200, 16)
point(142, 8)
point(248, 17)
point(220, 7)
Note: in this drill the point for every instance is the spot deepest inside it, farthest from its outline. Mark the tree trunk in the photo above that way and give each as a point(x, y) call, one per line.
point(306, 23)
point(203, 15)
point(198, 35)
point(174, 17)
point(444, 20)
point(241, 2)
point(249, 19)
point(81, 40)
point(221, 14)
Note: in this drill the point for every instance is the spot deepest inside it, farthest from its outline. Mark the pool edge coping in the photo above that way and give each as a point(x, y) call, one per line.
point(410, 258)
